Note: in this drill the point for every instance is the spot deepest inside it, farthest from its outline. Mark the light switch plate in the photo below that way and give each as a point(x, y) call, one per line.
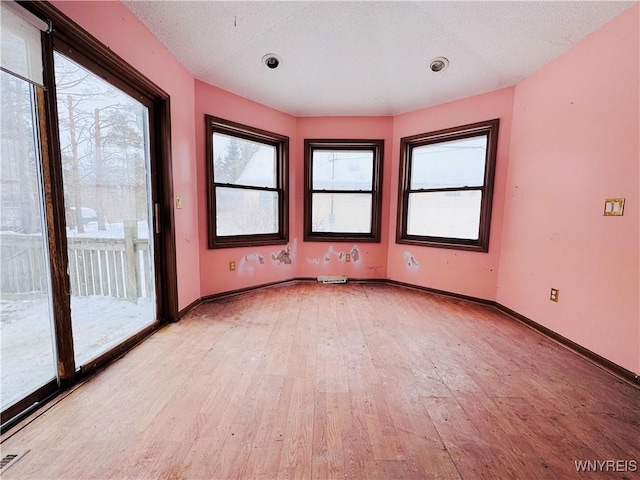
point(178, 203)
point(613, 207)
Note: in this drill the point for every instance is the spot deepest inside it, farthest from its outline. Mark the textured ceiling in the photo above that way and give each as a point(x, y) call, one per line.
point(367, 58)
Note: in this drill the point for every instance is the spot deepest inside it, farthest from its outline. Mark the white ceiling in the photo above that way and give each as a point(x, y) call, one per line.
point(367, 58)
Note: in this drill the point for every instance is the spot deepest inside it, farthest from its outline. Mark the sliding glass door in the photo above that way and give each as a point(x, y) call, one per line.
point(27, 342)
point(87, 248)
point(104, 141)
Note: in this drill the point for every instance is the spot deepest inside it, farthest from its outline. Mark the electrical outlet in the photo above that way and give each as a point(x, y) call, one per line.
point(232, 266)
point(347, 257)
point(553, 296)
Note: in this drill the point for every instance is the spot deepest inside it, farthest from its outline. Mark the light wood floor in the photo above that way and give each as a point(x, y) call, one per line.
point(337, 381)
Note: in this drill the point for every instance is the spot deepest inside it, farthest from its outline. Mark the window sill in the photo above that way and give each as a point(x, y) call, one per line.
point(250, 241)
point(340, 237)
point(470, 247)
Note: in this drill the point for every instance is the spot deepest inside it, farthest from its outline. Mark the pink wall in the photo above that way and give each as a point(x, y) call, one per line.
point(468, 273)
point(254, 265)
point(574, 143)
point(323, 258)
point(115, 26)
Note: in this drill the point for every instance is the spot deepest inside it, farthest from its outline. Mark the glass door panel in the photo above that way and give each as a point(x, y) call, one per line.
point(104, 140)
point(27, 354)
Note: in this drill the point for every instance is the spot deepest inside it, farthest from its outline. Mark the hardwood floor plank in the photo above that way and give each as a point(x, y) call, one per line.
point(381, 425)
point(355, 441)
point(296, 456)
point(328, 458)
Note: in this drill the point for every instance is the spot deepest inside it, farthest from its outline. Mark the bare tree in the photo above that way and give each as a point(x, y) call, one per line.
point(18, 184)
point(102, 144)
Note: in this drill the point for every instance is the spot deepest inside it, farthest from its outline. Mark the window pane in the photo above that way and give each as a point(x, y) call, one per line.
point(104, 139)
point(245, 212)
point(243, 162)
point(458, 163)
point(341, 212)
point(445, 214)
point(26, 349)
point(342, 170)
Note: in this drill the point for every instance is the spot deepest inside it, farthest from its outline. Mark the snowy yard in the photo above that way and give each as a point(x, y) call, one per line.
point(26, 350)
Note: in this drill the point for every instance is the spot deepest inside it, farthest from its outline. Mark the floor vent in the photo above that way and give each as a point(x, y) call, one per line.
point(9, 459)
point(332, 279)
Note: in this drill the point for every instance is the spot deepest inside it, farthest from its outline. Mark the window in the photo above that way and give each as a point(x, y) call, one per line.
point(247, 185)
point(343, 187)
point(446, 187)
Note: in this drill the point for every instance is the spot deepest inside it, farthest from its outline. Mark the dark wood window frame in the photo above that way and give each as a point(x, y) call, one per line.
point(487, 128)
point(377, 148)
point(75, 42)
point(281, 144)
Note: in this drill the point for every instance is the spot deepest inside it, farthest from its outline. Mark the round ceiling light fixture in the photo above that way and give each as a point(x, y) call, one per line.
point(272, 61)
point(438, 64)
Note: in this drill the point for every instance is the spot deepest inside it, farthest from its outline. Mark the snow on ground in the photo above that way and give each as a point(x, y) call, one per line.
point(26, 350)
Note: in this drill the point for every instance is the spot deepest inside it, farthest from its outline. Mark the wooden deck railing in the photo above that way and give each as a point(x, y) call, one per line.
point(115, 267)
